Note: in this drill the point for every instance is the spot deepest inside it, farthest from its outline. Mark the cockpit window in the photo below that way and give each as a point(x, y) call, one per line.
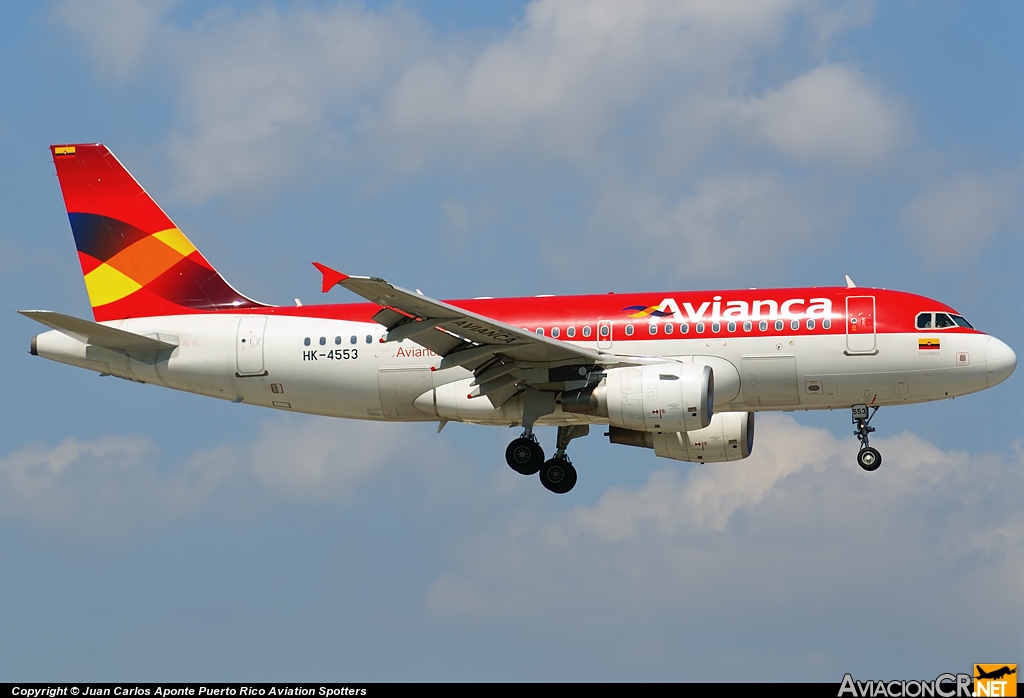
point(940, 321)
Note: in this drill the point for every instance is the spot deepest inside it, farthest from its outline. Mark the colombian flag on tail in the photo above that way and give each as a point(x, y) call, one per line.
point(136, 262)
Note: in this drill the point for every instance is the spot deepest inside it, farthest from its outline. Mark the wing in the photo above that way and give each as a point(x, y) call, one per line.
point(503, 357)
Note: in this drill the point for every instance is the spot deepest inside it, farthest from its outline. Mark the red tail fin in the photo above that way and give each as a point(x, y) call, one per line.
point(136, 262)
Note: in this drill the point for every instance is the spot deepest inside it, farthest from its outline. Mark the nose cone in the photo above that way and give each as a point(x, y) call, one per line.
point(1001, 361)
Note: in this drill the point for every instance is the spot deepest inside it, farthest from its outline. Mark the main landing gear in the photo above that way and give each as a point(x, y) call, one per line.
point(525, 456)
point(867, 458)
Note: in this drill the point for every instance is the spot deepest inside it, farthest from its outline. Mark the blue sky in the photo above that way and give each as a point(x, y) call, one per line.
point(499, 149)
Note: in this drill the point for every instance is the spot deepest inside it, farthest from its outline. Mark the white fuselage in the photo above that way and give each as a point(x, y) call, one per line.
point(342, 369)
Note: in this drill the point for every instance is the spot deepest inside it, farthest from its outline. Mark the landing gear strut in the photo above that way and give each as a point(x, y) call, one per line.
point(558, 474)
point(525, 456)
point(867, 458)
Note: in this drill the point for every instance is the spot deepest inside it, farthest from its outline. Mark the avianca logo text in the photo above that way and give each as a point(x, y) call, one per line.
point(737, 310)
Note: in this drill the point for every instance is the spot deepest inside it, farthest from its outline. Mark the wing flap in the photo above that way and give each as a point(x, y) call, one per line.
point(89, 332)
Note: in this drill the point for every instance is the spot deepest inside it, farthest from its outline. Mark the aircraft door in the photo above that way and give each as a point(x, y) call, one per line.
point(249, 345)
point(604, 334)
point(399, 387)
point(769, 380)
point(860, 324)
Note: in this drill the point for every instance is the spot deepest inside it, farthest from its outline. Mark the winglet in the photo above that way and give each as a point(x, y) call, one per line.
point(331, 277)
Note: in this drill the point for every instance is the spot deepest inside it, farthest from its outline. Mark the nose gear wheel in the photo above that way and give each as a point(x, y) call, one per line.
point(867, 458)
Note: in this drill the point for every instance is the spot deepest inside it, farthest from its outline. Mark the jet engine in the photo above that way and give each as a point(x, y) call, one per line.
point(729, 437)
point(662, 397)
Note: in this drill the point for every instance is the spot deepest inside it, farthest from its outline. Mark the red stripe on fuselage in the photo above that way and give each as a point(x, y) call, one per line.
point(895, 312)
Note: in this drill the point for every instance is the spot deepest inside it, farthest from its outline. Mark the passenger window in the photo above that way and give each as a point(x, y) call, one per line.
point(669, 327)
point(794, 325)
point(810, 324)
point(323, 341)
point(826, 324)
point(683, 328)
point(570, 332)
point(763, 325)
point(924, 321)
point(716, 327)
point(306, 341)
point(540, 331)
point(942, 321)
point(629, 330)
point(353, 340)
point(337, 340)
point(369, 339)
point(555, 332)
point(652, 329)
point(778, 325)
point(700, 328)
point(586, 331)
point(732, 327)
point(605, 330)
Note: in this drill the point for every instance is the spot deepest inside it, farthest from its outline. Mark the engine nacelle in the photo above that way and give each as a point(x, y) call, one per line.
point(729, 437)
point(663, 397)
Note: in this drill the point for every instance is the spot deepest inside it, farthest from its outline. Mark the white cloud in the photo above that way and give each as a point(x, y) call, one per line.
point(259, 93)
point(115, 486)
point(954, 220)
point(830, 113)
point(117, 33)
point(796, 531)
point(43, 483)
point(830, 20)
point(264, 92)
point(572, 71)
point(787, 559)
point(630, 98)
point(723, 230)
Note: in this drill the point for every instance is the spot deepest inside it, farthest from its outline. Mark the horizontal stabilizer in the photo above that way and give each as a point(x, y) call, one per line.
point(96, 334)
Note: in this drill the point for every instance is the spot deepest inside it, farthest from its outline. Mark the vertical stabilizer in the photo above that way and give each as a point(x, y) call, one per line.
point(135, 261)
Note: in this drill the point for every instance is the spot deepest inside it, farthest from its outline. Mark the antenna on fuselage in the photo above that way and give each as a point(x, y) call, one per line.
point(849, 282)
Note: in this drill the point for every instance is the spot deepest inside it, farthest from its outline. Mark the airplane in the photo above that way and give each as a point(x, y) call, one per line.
point(995, 674)
point(680, 373)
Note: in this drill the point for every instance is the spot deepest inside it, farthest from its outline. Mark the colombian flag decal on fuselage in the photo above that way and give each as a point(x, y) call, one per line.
point(928, 343)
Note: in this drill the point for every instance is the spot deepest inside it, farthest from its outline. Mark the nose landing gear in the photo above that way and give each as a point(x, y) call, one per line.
point(867, 458)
